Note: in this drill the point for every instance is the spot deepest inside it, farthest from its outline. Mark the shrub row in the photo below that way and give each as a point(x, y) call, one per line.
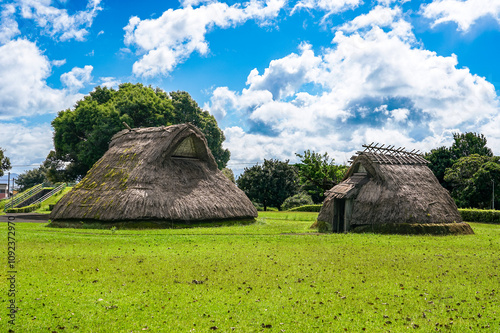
point(307, 208)
point(27, 209)
point(480, 215)
point(297, 200)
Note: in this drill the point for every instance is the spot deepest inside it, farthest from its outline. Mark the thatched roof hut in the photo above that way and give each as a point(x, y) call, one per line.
point(388, 187)
point(158, 173)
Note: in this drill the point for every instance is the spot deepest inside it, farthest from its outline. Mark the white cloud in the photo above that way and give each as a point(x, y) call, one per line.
point(23, 88)
point(194, 3)
point(8, 25)
point(389, 2)
point(373, 85)
point(400, 115)
point(463, 13)
point(56, 22)
point(174, 36)
point(77, 78)
point(26, 146)
point(58, 63)
point(379, 16)
point(329, 6)
point(221, 100)
point(284, 76)
point(110, 82)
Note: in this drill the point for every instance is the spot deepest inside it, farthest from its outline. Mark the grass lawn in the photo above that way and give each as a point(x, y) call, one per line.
point(273, 276)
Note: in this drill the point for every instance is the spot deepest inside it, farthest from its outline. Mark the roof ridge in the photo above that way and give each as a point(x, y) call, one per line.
point(382, 154)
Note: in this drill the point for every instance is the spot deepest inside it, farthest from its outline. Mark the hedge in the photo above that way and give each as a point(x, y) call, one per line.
point(306, 208)
point(480, 215)
point(26, 209)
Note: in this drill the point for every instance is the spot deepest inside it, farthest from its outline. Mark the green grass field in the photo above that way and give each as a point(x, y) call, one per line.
point(276, 275)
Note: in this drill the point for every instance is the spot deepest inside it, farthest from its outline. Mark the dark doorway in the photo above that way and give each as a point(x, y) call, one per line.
point(338, 215)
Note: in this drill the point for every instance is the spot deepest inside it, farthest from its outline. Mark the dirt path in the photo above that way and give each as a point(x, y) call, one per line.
point(25, 217)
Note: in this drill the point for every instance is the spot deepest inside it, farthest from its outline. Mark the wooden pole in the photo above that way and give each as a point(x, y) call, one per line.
point(127, 126)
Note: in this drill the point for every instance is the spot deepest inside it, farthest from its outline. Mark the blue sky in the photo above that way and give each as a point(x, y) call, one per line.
point(280, 76)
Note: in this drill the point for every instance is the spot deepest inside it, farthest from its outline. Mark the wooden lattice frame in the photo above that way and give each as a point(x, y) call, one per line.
point(390, 155)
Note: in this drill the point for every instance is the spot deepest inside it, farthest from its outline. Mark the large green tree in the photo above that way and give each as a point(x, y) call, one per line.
point(473, 178)
point(4, 162)
point(82, 135)
point(318, 173)
point(464, 144)
point(269, 184)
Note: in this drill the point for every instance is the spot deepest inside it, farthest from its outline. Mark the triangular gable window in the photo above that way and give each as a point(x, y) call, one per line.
point(361, 169)
point(186, 149)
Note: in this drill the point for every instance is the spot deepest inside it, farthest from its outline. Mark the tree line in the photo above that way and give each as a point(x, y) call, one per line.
point(282, 185)
point(82, 135)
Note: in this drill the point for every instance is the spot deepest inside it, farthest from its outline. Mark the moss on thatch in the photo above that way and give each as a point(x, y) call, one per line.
point(144, 177)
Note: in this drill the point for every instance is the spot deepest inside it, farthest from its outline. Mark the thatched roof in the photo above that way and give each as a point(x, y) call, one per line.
point(160, 173)
point(391, 187)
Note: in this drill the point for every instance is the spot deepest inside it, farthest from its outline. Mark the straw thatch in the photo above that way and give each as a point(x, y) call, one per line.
point(383, 188)
point(160, 173)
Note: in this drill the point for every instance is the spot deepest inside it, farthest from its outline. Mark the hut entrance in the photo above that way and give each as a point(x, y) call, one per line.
point(342, 215)
point(338, 215)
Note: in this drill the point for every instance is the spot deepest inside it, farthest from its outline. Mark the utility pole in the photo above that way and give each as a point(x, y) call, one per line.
point(8, 186)
point(493, 196)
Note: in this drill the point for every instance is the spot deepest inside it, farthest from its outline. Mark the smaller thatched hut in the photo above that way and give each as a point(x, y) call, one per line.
point(158, 174)
point(390, 190)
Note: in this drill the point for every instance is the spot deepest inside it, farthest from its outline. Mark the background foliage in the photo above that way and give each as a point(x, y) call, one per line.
point(467, 169)
point(318, 173)
point(464, 144)
point(297, 200)
point(269, 184)
point(472, 179)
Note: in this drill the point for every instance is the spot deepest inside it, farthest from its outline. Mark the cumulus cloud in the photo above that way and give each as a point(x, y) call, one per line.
point(26, 146)
point(284, 76)
point(58, 63)
point(77, 78)
point(8, 25)
point(463, 13)
point(110, 82)
point(173, 37)
point(371, 85)
point(56, 22)
point(380, 16)
point(194, 3)
point(23, 88)
point(328, 6)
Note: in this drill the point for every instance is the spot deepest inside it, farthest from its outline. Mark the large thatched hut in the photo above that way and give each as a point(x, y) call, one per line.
point(156, 174)
point(390, 190)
